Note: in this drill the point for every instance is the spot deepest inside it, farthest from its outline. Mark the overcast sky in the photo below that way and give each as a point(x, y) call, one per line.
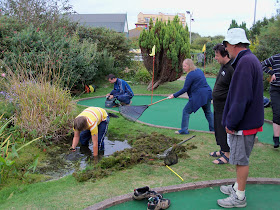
point(211, 17)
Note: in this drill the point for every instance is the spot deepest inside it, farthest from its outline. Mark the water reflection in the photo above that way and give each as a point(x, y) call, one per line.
point(83, 155)
point(113, 146)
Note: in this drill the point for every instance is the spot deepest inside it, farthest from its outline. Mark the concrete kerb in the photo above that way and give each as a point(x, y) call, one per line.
point(181, 187)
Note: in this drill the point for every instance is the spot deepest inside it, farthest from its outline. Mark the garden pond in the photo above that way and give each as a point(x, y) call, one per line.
point(118, 155)
point(62, 162)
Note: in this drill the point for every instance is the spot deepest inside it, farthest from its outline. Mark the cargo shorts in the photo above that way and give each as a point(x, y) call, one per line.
point(240, 148)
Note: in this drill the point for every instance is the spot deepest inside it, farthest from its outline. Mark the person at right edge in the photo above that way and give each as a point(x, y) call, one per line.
point(219, 94)
point(274, 63)
point(243, 113)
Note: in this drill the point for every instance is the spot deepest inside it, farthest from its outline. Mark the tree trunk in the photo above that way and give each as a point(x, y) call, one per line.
point(154, 86)
point(162, 67)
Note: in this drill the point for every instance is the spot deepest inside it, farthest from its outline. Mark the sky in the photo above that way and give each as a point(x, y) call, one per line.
point(211, 17)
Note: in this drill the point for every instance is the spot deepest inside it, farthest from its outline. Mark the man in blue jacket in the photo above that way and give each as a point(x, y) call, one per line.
point(122, 91)
point(243, 113)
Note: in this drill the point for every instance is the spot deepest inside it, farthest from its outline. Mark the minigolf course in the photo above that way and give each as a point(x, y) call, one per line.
point(168, 114)
point(199, 195)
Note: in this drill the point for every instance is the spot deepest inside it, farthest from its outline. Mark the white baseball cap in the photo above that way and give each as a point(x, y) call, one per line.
point(235, 36)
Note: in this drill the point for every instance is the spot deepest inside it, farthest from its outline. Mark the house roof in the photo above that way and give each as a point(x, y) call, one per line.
point(135, 32)
point(117, 22)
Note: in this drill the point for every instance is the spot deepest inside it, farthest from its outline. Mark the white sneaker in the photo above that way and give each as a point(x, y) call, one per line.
point(232, 201)
point(227, 189)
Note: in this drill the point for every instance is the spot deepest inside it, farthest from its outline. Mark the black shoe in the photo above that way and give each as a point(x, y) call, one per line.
point(156, 203)
point(276, 141)
point(144, 192)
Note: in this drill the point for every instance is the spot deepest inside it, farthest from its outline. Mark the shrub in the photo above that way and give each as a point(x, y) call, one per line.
point(266, 81)
point(116, 44)
point(44, 108)
point(73, 62)
point(142, 76)
point(212, 68)
point(268, 40)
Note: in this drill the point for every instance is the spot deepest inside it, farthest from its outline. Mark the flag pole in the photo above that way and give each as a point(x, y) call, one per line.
point(154, 55)
point(204, 51)
point(153, 78)
point(204, 60)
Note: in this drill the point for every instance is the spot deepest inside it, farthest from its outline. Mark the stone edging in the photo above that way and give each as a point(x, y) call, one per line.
point(181, 187)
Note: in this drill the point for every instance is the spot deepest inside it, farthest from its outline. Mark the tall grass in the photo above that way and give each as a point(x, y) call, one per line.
point(43, 106)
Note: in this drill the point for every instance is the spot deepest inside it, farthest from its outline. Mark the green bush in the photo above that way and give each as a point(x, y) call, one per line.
point(266, 81)
point(142, 76)
point(210, 54)
point(73, 62)
point(212, 68)
point(268, 41)
point(105, 64)
point(116, 44)
point(78, 58)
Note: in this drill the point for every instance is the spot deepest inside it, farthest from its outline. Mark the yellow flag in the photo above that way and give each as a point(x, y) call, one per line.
point(153, 51)
point(204, 48)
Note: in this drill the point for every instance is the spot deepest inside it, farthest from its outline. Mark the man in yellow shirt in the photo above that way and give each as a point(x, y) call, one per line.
point(92, 123)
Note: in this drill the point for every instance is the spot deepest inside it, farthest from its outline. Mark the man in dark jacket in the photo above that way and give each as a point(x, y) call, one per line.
point(122, 91)
point(219, 94)
point(243, 113)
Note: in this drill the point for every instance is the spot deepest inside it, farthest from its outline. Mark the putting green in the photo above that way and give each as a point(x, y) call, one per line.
point(206, 198)
point(168, 113)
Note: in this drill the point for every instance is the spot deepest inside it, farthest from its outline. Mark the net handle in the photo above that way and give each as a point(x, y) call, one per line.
point(158, 101)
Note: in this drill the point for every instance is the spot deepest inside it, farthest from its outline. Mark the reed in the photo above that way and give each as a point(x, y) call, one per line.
point(43, 106)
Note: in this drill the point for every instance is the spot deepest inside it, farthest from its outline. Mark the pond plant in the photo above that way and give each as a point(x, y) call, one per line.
point(9, 152)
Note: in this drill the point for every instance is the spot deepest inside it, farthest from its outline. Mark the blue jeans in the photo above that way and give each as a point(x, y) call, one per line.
point(85, 136)
point(125, 98)
point(186, 117)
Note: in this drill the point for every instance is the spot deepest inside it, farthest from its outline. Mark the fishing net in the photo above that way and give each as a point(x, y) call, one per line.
point(171, 158)
point(132, 113)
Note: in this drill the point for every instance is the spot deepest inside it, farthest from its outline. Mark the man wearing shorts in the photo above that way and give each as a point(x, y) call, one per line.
point(243, 113)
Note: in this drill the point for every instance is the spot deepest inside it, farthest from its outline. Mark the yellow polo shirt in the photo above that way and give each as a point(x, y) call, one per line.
point(95, 116)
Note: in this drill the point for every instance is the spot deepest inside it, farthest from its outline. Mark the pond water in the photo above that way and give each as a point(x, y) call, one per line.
point(78, 160)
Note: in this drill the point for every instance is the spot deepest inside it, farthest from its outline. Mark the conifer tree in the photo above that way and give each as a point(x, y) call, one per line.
point(172, 47)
